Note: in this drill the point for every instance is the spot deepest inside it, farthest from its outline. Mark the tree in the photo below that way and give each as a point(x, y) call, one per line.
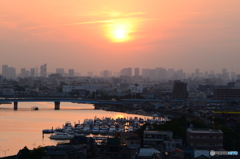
point(37, 153)
point(25, 153)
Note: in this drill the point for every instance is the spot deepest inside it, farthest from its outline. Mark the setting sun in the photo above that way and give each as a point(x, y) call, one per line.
point(120, 33)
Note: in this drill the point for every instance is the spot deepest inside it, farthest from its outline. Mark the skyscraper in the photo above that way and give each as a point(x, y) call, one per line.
point(4, 70)
point(8, 72)
point(43, 70)
point(71, 72)
point(126, 72)
point(23, 73)
point(32, 72)
point(179, 90)
point(60, 71)
point(136, 72)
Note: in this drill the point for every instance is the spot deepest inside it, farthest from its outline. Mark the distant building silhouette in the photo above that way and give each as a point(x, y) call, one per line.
point(179, 90)
point(60, 71)
point(43, 70)
point(71, 72)
point(136, 72)
point(32, 72)
point(8, 72)
point(126, 72)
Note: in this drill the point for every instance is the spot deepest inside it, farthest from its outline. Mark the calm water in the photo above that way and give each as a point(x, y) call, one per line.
point(24, 127)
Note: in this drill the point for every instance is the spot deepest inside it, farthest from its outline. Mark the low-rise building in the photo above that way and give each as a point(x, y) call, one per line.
point(161, 139)
point(205, 138)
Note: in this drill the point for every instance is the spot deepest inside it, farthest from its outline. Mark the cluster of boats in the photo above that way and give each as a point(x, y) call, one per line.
point(96, 126)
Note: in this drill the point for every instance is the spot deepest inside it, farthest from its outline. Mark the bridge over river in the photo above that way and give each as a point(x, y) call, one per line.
point(56, 101)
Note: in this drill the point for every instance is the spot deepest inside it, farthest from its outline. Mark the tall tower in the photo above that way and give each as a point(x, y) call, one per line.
point(43, 70)
point(136, 72)
point(179, 91)
point(5, 71)
point(71, 72)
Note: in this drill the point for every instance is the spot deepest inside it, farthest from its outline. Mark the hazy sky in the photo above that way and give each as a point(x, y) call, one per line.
point(94, 35)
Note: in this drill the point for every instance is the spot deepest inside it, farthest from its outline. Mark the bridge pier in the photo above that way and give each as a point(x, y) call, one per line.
point(15, 105)
point(57, 106)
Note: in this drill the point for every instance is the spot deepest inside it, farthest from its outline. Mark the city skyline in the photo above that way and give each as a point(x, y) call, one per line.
point(95, 36)
point(157, 73)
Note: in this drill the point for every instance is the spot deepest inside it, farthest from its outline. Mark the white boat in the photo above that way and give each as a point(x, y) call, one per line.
point(121, 128)
point(61, 136)
point(112, 129)
point(86, 129)
point(97, 121)
point(130, 128)
point(103, 130)
point(141, 121)
point(78, 128)
point(67, 127)
point(95, 129)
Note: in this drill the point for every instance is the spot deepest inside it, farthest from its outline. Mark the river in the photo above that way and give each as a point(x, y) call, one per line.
point(24, 127)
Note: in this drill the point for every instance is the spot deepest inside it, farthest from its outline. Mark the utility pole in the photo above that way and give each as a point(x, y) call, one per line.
point(5, 152)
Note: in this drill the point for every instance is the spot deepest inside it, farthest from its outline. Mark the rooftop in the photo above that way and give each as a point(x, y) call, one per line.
point(194, 130)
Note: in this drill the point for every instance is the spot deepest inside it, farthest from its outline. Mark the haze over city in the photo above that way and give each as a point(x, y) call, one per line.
point(100, 34)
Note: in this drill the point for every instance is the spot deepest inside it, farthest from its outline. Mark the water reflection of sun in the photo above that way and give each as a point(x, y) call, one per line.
point(119, 116)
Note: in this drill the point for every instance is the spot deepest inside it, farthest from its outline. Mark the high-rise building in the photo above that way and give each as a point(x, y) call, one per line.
point(170, 73)
point(105, 74)
point(197, 73)
point(126, 72)
point(60, 71)
point(1, 79)
point(43, 70)
point(32, 72)
point(23, 73)
point(5, 70)
point(179, 90)
point(136, 72)
point(8, 72)
point(160, 73)
point(146, 73)
point(71, 72)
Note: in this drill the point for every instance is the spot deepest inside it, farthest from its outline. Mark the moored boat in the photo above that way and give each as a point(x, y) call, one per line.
point(61, 136)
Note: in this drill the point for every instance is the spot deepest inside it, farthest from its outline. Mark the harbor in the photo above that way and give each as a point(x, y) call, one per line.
point(99, 128)
point(30, 124)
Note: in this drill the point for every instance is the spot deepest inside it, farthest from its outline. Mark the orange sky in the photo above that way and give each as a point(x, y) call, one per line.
point(110, 34)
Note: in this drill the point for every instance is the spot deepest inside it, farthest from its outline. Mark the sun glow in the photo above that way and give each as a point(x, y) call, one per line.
point(119, 32)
